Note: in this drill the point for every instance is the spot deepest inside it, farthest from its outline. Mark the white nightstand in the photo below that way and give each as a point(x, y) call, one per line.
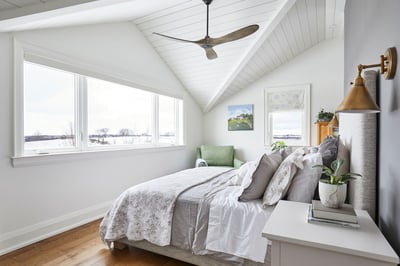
point(296, 242)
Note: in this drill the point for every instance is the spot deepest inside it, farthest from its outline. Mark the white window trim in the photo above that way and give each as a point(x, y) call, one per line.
point(40, 159)
point(24, 51)
point(306, 88)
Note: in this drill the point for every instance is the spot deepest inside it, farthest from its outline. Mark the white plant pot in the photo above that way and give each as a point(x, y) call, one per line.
point(332, 196)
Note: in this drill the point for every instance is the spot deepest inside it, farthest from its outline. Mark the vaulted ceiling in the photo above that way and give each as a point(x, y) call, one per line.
point(287, 28)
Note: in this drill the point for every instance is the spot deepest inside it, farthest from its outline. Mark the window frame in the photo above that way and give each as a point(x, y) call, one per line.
point(268, 126)
point(37, 55)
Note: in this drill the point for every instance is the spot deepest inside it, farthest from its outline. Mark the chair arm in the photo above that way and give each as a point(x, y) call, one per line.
point(198, 153)
point(237, 163)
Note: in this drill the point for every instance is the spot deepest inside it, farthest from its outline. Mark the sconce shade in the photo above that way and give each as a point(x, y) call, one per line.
point(334, 123)
point(358, 100)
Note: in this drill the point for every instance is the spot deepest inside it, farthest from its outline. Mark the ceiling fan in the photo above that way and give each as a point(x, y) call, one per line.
point(207, 43)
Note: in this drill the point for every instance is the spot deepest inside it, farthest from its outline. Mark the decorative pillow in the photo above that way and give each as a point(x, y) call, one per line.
point(305, 181)
point(266, 167)
point(217, 155)
point(280, 182)
point(237, 180)
point(328, 149)
point(344, 154)
point(246, 174)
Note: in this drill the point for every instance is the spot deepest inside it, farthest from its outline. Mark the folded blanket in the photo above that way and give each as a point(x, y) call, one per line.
point(145, 211)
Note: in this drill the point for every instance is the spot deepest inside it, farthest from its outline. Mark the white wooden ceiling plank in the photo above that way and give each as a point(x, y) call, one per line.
point(18, 16)
point(179, 7)
point(202, 65)
point(216, 28)
point(249, 72)
point(195, 28)
point(284, 45)
point(339, 18)
point(303, 20)
point(246, 79)
point(311, 7)
point(269, 50)
point(266, 58)
point(290, 35)
point(321, 20)
point(276, 47)
point(330, 19)
point(294, 19)
point(256, 65)
point(251, 50)
point(228, 12)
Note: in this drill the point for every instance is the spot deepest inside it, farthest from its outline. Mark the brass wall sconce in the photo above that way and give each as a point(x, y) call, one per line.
point(358, 100)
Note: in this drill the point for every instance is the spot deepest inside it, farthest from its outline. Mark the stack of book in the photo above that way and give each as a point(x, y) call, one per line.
point(344, 216)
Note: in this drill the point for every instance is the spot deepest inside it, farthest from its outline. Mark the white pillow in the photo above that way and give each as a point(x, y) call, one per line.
point(305, 181)
point(245, 172)
point(280, 182)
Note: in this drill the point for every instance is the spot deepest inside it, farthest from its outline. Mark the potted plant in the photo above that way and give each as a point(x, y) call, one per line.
point(332, 190)
point(278, 145)
point(324, 116)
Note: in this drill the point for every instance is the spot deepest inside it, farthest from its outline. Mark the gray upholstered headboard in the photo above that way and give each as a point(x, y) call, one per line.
point(358, 133)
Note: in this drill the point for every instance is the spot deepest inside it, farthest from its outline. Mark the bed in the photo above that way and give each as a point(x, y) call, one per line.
point(185, 231)
point(207, 215)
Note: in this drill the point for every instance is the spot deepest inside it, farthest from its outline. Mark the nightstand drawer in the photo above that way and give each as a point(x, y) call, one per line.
point(287, 254)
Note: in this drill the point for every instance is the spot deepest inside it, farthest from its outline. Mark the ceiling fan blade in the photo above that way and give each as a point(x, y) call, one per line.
point(211, 54)
point(173, 38)
point(235, 35)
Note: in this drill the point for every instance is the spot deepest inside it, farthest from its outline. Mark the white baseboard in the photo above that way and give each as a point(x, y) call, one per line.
point(28, 235)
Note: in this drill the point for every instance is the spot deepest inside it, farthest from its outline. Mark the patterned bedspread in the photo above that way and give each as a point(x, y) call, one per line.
point(145, 211)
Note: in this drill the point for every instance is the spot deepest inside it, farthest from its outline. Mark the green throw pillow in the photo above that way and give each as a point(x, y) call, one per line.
point(217, 155)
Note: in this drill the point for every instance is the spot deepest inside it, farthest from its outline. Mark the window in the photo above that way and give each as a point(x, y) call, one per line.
point(287, 115)
point(118, 115)
point(66, 111)
point(49, 108)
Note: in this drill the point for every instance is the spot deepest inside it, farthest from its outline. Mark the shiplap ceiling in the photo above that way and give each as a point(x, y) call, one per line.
point(287, 28)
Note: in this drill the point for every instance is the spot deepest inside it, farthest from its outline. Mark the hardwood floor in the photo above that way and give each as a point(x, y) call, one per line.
point(82, 246)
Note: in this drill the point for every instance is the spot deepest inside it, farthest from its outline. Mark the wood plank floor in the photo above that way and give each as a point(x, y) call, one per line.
point(82, 246)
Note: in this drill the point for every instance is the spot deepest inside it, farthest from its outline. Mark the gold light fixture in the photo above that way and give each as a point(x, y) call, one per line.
point(358, 100)
point(334, 123)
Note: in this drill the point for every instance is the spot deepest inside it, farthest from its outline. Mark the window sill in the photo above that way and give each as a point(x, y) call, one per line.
point(41, 159)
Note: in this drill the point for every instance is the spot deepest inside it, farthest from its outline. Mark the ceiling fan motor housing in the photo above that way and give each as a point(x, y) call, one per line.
point(207, 2)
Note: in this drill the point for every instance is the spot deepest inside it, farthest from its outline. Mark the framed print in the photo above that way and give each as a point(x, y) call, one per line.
point(240, 117)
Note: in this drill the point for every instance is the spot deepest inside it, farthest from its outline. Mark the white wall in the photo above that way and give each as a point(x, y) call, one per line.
point(39, 201)
point(321, 66)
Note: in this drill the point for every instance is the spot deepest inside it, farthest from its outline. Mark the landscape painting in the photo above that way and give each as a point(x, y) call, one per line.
point(240, 117)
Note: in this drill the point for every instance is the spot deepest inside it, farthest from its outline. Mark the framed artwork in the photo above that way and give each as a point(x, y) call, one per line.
point(287, 115)
point(240, 117)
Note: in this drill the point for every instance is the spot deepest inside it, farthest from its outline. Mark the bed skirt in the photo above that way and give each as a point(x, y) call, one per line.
point(187, 256)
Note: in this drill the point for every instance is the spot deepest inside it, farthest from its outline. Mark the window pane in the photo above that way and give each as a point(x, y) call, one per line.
point(118, 115)
point(167, 122)
point(49, 108)
point(288, 126)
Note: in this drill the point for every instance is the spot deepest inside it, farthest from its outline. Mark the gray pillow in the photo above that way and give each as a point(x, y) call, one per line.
point(261, 176)
point(329, 150)
point(305, 181)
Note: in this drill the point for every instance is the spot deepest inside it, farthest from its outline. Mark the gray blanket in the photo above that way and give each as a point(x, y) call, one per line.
point(190, 219)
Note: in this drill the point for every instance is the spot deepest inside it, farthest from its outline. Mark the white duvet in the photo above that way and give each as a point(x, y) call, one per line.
point(235, 227)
